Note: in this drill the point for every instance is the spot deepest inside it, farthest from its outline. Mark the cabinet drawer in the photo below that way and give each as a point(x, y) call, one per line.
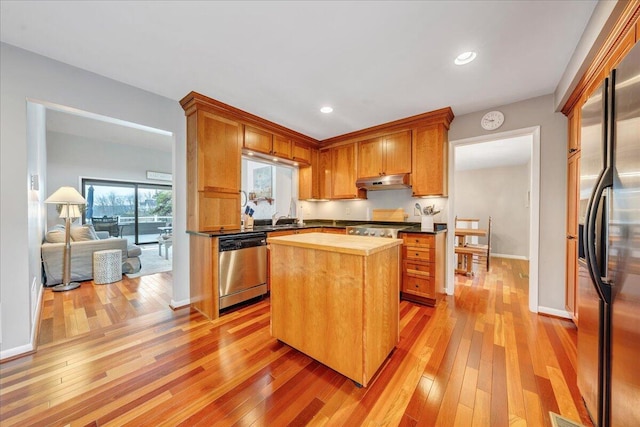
point(420, 287)
point(419, 253)
point(428, 240)
point(419, 270)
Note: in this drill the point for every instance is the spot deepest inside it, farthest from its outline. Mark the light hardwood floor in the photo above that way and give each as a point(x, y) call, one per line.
point(478, 359)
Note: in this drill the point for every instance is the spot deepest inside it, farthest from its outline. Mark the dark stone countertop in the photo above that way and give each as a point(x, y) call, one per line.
point(265, 226)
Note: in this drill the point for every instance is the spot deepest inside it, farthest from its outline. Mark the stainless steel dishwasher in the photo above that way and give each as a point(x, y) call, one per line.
point(242, 263)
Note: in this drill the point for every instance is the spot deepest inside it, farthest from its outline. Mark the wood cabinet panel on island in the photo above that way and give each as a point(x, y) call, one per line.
point(335, 298)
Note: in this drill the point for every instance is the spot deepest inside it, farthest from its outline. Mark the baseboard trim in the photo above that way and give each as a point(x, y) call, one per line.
point(16, 352)
point(524, 258)
point(25, 350)
point(175, 305)
point(554, 312)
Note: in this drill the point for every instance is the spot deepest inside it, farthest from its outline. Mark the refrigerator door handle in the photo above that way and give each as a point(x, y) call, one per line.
point(605, 180)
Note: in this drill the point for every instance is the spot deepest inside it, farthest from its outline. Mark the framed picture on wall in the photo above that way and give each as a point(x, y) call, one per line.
point(262, 182)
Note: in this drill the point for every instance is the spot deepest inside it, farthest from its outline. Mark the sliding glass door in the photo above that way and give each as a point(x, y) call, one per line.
point(139, 212)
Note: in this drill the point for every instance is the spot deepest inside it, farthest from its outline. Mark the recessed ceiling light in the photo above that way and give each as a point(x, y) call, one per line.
point(465, 58)
point(275, 159)
point(250, 153)
point(326, 110)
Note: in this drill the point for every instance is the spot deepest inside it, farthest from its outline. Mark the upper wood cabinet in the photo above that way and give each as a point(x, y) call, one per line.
point(308, 179)
point(324, 174)
point(258, 140)
point(265, 142)
point(218, 153)
point(385, 155)
point(574, 131)
point(573, 185)
point(370, 153)
point(213, 170)
point(282, 147)
point(430, 160)
point(417, 145)
point(302, 153)
point(397, 154)
point(343, 173)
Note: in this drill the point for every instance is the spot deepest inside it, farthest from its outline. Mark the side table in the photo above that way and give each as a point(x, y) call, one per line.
point(107, 266)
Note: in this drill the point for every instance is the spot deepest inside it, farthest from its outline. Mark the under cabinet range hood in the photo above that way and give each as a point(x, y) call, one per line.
point(385, 182)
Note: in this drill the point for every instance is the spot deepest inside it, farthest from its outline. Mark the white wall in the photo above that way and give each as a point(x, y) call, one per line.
point(71, 157)
point(26, 76)
point(361, 210)
point(553, 180)
point(502, 194)
point(37, 166)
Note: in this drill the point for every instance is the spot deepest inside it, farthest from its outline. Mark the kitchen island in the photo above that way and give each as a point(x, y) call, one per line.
point(335, 298)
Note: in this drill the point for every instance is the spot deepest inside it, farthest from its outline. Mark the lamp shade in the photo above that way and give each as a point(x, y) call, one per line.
point(74, 211)
point(66, 195)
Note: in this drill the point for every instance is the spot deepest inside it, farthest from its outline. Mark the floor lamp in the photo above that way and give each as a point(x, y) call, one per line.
point(69, 198)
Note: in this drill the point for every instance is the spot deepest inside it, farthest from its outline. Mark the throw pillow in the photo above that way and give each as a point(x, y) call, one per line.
point(83, 233)
point(55, 235)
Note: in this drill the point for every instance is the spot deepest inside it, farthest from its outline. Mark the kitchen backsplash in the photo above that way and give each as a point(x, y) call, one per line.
point(361, 210)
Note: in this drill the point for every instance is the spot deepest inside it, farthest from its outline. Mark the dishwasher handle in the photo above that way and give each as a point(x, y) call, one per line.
point(226, 245)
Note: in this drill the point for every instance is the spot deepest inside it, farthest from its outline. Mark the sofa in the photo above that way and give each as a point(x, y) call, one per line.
point(84, 242)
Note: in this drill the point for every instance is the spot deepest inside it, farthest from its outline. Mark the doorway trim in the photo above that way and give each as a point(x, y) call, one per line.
point(534, 207)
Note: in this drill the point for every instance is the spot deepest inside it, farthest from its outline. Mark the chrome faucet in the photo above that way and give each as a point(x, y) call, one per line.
point(275, 218)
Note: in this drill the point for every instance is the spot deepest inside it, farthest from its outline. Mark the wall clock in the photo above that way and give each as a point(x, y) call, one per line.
point(492, 120)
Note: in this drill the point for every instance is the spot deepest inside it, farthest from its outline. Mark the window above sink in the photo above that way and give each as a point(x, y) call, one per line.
point(269, 187)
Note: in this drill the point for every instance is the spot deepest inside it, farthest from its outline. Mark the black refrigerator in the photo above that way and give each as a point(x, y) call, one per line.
point(609, 249)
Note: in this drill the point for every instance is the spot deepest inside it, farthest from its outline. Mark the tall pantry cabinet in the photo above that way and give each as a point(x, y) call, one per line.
point(214, 153)
point(624, 34)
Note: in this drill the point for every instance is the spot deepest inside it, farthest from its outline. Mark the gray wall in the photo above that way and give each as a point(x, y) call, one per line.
point(25, 77)
point(502, 194)
point(70, 158)
point(553, 180)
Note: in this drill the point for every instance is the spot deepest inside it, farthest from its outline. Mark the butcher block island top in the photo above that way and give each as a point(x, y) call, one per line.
point(336, 298)
point(356, 245)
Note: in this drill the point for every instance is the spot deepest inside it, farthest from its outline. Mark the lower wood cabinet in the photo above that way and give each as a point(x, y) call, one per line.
point(423, 267)
point(203, 274)
point(278, 234)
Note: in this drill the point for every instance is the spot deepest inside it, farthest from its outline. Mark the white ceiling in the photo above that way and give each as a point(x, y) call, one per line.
point(494, 154)
point(373, 61)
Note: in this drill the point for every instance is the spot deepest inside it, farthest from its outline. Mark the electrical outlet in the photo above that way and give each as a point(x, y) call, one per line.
point(347, 211)
point(416, 212)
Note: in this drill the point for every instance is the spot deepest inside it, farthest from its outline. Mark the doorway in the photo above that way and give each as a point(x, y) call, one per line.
point(532, 199)
point(141, 211)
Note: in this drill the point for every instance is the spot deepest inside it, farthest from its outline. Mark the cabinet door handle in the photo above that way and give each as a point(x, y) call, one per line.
point(572, 150)
point(570, 237)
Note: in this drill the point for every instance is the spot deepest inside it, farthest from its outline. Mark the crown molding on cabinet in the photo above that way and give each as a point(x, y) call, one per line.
point(621, 36)
point(442, 116)
point(214, 106)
